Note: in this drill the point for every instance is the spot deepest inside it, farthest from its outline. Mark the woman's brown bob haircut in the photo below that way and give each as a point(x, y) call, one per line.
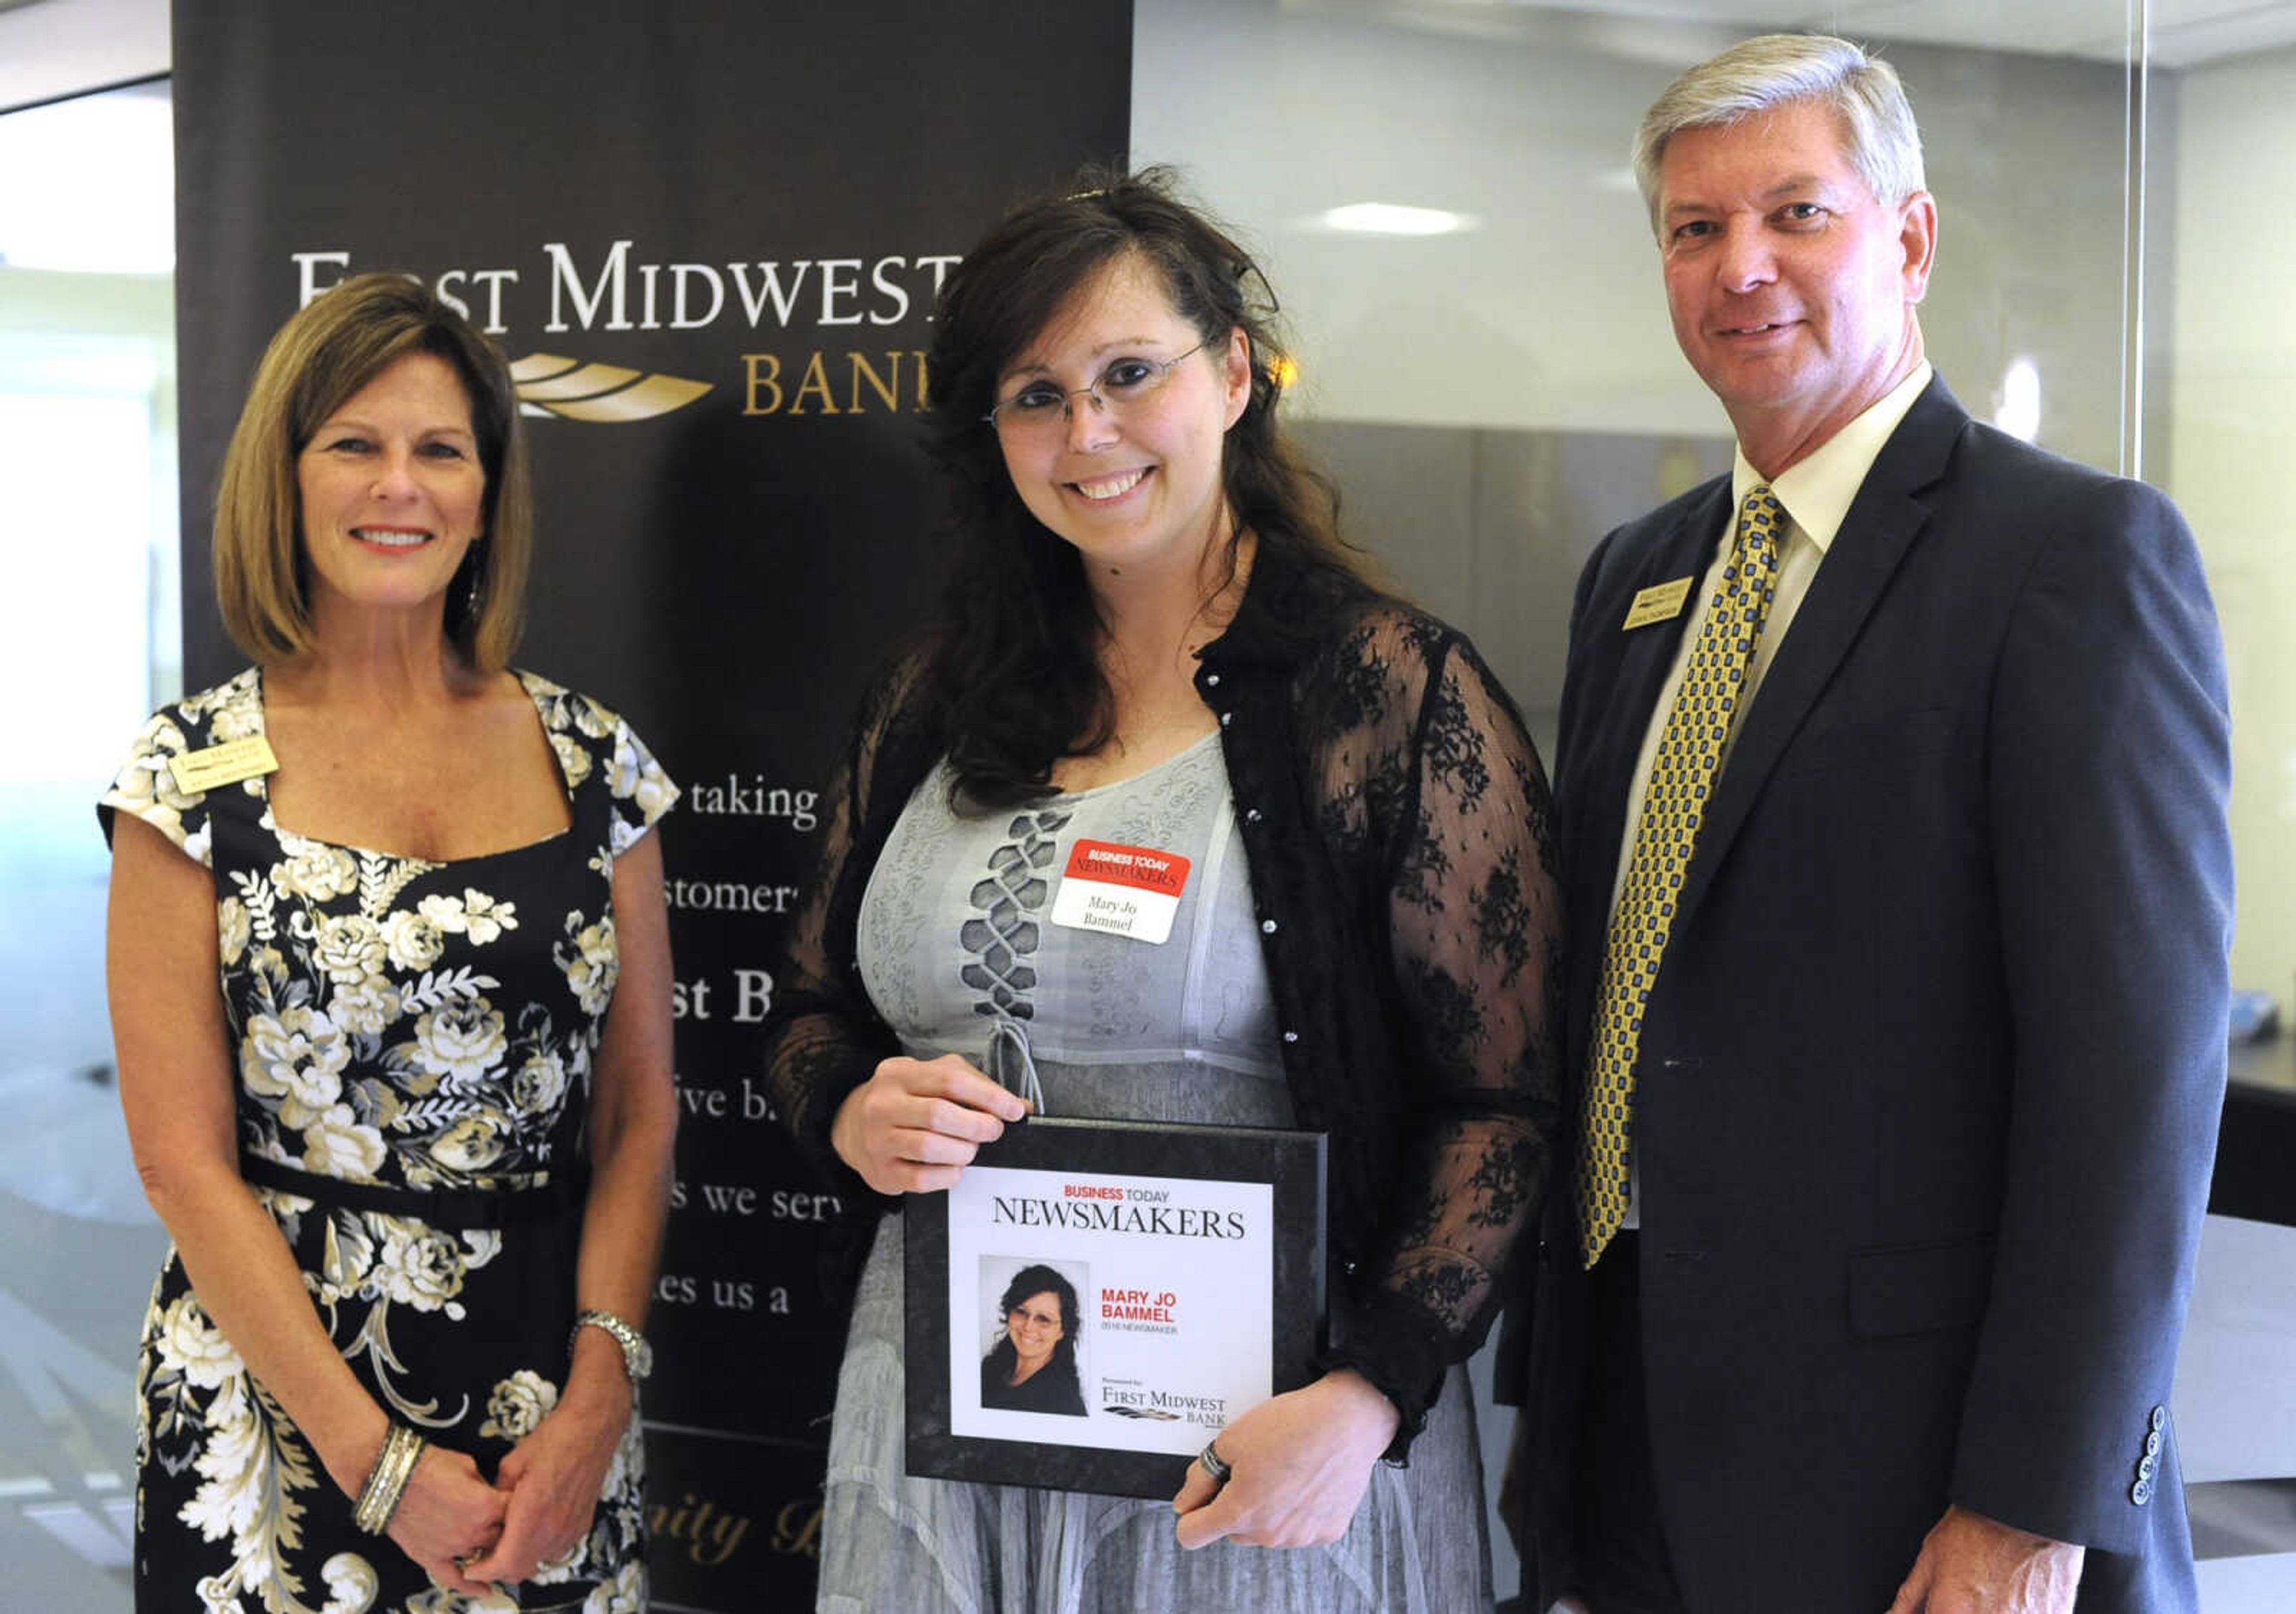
point(339, 342)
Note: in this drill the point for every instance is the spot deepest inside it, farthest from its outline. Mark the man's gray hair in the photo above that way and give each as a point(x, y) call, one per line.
point(1879, 135)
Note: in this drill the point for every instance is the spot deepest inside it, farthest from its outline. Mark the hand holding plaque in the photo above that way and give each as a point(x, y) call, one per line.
point(1299, 1464)
point(916, 1125)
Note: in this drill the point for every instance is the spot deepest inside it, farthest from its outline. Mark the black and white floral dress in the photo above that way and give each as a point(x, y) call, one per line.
point(414, 1044)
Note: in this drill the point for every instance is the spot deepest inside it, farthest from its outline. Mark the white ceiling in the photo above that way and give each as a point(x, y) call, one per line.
point(58, 47)
point(2185, 33)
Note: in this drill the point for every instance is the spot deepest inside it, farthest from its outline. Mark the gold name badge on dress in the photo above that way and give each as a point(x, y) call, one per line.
point(1660, 602)
point(1120, 891)
point(226, 764)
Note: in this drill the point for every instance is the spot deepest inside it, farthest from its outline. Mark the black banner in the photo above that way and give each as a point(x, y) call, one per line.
point(709, 237)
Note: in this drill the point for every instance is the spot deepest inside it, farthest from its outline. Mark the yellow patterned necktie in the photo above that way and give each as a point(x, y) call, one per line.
point(1674, 805)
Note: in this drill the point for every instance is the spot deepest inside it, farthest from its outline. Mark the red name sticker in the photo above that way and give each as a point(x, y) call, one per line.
point(1120, 891)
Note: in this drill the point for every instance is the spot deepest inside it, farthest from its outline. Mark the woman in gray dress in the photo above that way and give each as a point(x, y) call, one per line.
point(1153, 638)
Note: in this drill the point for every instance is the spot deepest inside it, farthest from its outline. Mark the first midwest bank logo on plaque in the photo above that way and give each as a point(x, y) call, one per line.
point(830, 298)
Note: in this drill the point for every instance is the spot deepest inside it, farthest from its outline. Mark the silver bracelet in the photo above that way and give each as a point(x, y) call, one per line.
point(637, 1356)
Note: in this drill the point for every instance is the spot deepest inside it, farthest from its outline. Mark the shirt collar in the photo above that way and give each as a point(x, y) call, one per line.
point(1817, 491)
point(1284, 615)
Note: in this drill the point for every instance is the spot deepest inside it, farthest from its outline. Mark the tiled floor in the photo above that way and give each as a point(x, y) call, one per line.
point(78, 1247)
point(78, 1253)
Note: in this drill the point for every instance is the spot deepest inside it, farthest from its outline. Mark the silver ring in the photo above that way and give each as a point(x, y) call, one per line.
point(1214, 1464)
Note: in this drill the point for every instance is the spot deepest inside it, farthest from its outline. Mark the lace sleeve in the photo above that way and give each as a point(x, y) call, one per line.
point(822, 1037)
point(1475, 935)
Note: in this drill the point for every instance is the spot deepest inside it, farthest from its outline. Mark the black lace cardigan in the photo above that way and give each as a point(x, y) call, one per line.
point(1398, 826)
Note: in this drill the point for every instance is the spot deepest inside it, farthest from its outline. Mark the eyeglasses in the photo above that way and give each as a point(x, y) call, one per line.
point(1040, 407)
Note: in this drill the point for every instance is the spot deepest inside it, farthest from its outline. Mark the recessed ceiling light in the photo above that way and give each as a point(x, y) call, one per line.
point(1393, 218)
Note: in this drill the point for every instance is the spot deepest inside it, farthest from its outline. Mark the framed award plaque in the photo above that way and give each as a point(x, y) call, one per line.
point(1094, 1301)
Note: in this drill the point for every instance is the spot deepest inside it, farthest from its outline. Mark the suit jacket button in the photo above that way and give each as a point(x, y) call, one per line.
point(2153, 1443)
point(2147, 1467)
point(2160, 1419)
point(2141, 1492)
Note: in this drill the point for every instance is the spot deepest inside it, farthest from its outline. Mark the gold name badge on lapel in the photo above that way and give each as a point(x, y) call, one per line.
point(1660, 602)
point(234, 761)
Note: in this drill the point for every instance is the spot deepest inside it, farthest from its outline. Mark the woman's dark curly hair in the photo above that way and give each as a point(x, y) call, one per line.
point(1015, 670)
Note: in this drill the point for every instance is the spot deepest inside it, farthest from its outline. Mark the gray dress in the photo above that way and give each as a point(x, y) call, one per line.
point(959, 954)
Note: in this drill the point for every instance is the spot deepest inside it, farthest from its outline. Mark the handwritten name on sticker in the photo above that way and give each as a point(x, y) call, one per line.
point(1120, 891)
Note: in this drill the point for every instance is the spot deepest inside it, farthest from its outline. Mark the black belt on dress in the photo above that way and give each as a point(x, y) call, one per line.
point(555, 1193)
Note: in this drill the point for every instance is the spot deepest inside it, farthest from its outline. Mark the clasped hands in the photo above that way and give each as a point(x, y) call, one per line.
point(467, 1534)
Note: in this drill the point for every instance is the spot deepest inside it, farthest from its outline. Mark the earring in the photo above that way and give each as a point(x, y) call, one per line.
point(476, 562)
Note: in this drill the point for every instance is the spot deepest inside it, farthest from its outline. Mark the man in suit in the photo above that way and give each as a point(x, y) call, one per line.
point(1891, 790)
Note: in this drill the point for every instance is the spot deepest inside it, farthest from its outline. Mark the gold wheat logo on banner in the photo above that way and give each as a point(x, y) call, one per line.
point(551, 384)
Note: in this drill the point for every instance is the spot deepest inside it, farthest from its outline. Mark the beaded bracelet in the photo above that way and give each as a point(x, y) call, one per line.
point(386, 1482)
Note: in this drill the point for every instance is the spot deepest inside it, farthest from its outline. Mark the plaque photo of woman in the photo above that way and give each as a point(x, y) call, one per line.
point(1031, 1365)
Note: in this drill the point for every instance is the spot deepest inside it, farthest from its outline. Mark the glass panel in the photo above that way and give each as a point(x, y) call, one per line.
point(89, 629)
point(2220, 357)
point(2224, 364)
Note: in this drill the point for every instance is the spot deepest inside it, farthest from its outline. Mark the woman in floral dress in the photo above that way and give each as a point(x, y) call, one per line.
point(418, 1142)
